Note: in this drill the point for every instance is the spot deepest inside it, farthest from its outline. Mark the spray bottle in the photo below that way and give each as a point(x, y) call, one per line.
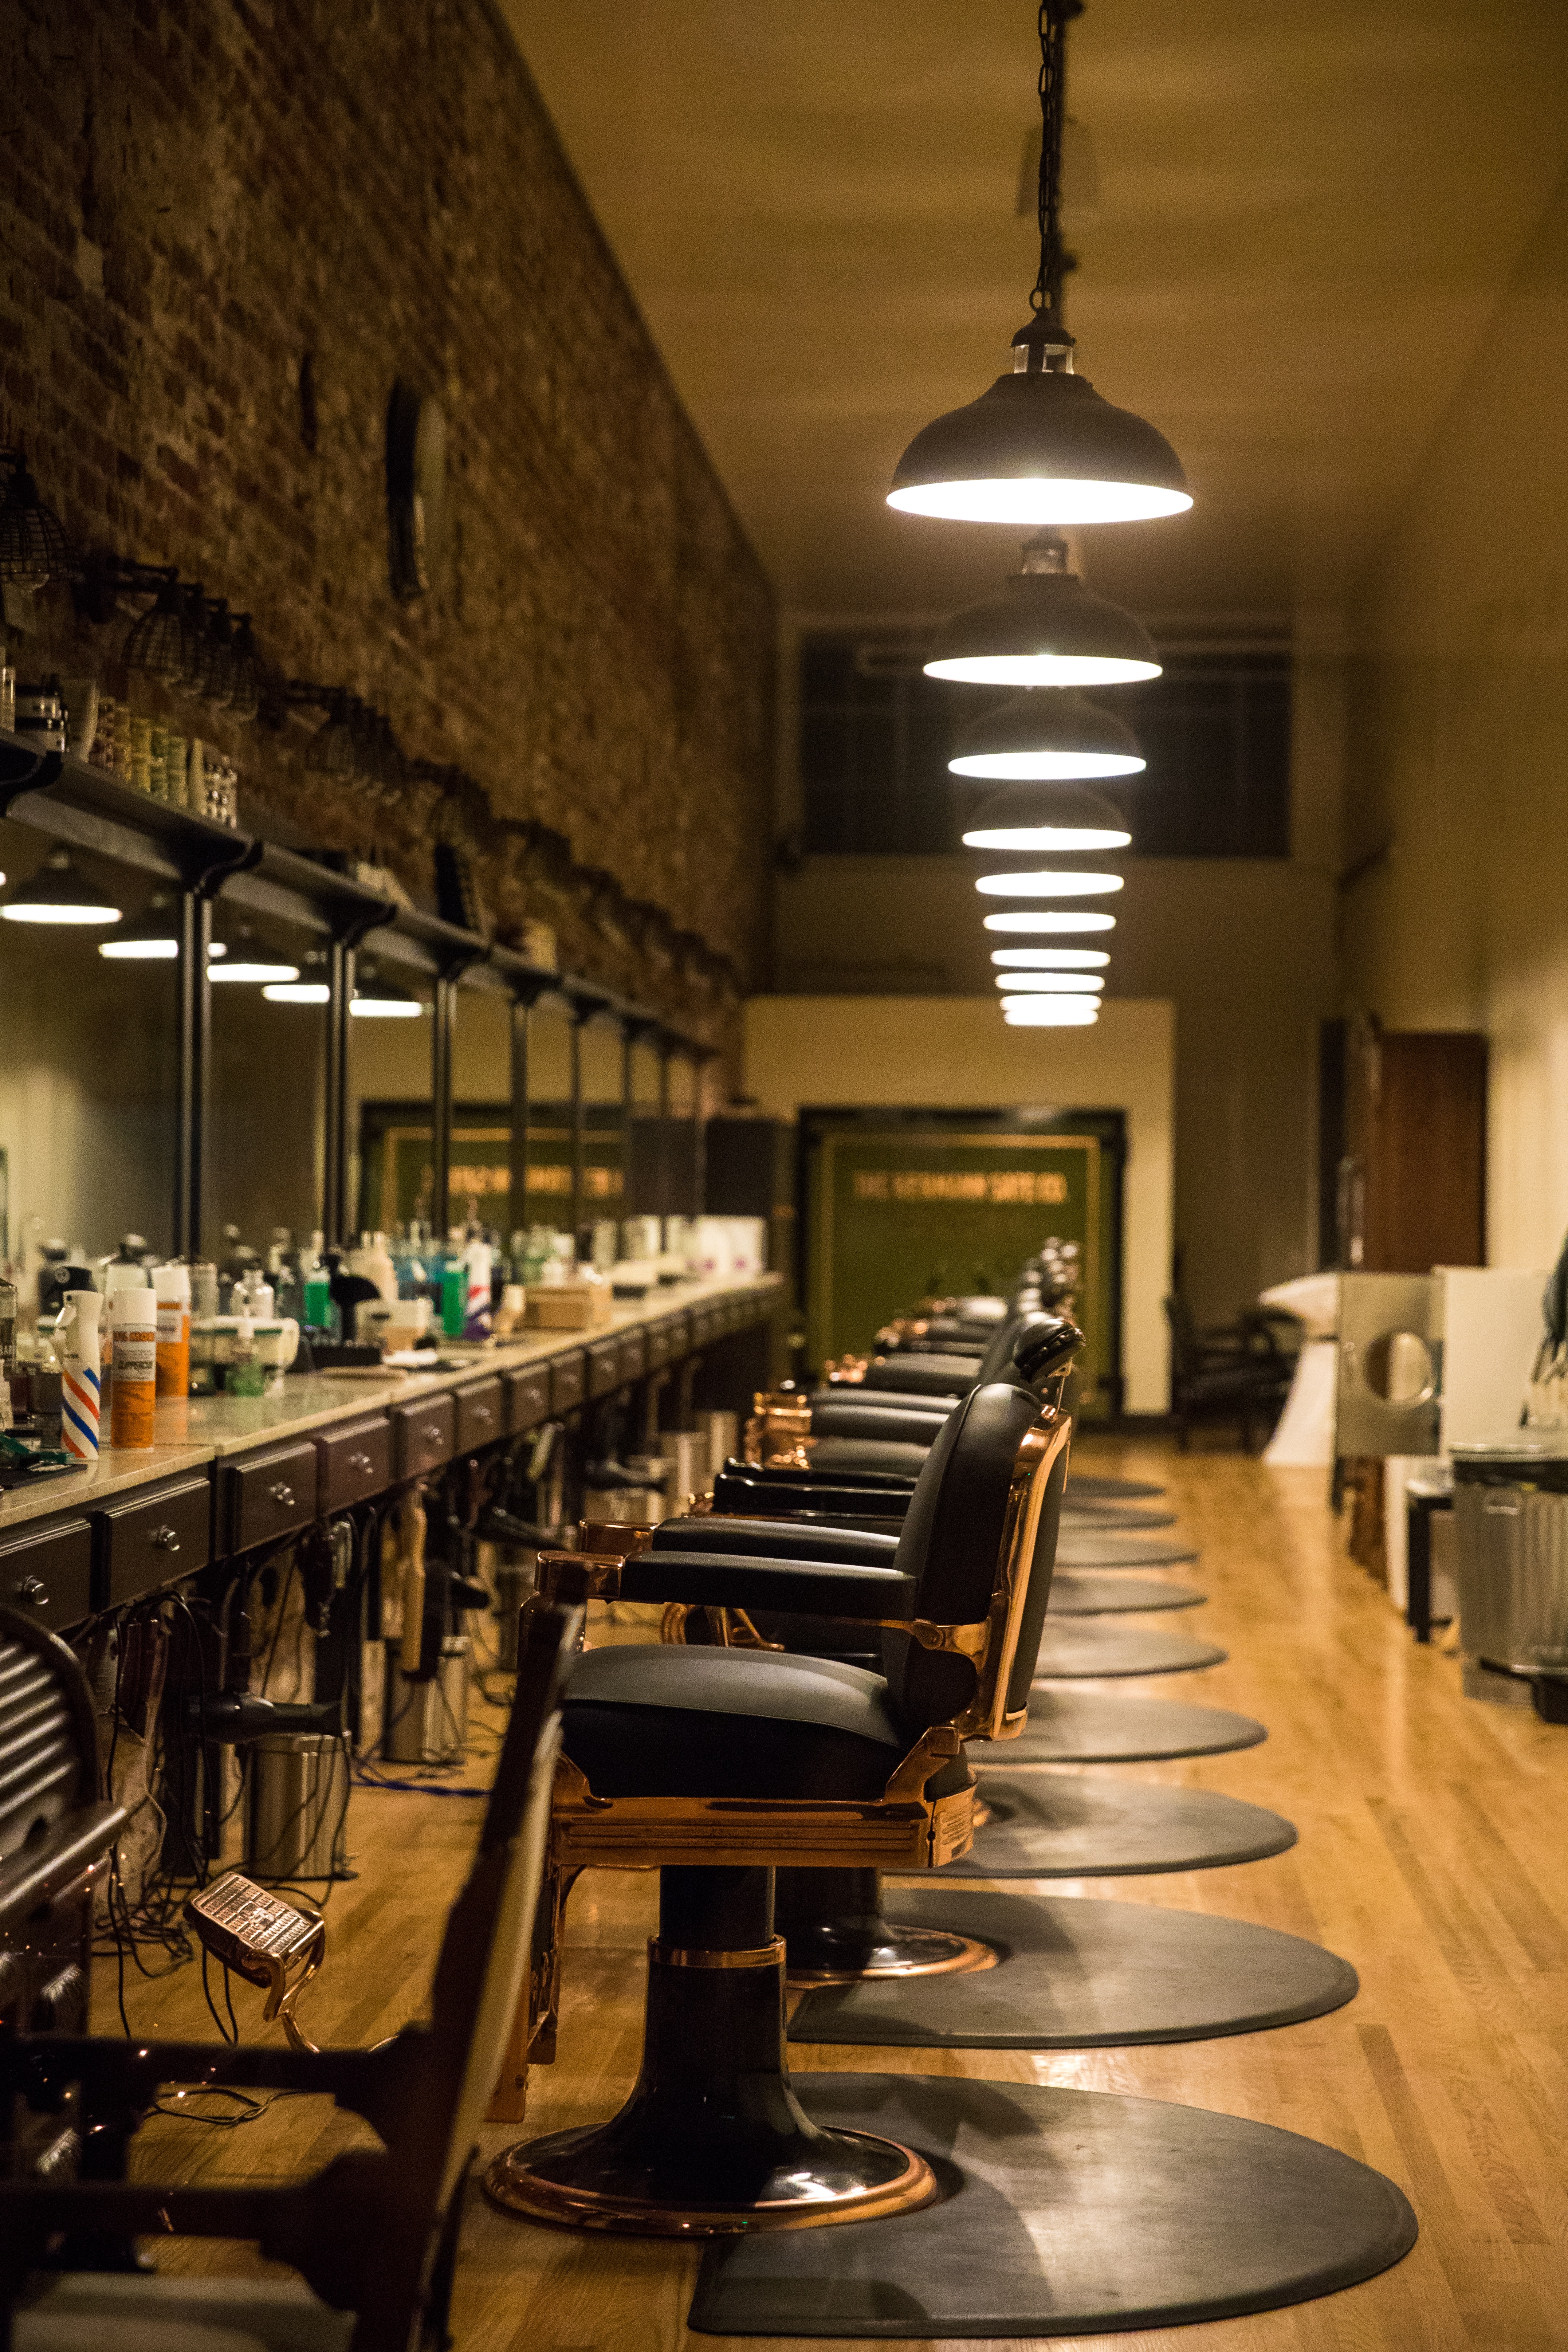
point(78, 1346)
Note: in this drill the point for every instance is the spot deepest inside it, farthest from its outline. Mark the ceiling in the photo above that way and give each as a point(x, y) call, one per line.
point(1305, 218)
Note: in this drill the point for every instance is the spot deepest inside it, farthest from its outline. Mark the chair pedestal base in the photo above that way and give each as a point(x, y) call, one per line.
point(834, 1933)
point(712, 2139)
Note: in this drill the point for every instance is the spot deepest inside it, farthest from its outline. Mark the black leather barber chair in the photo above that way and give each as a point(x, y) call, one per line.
point(715, 1765)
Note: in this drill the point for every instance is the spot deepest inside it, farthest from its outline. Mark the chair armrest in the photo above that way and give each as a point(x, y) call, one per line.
point(808, 1588)
point(775, 1538)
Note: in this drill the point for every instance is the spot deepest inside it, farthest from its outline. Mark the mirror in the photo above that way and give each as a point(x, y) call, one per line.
point(1397, 1367)
point(268, 1085)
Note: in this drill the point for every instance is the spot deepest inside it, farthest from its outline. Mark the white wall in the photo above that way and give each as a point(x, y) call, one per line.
point(1457, 803)
point(943, 1053)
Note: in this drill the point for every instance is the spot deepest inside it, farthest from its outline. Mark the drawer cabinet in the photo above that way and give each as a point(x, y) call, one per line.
point(480, 1419)
point(353, 1464)
point(266, 1495)
point(424, 1435)
point(632, 1357)
point(150, 1539)
point(567, 1382)
point(49, 1572)
point(527, 1399)
point(603, 1368)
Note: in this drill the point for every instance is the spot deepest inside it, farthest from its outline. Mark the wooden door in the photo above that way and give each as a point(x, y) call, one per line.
point(1413, 1190)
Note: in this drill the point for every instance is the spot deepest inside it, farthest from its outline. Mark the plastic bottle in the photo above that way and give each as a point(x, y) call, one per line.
point(172, 1287)
point(134, 1322)
point(78, 1344)
point(454, 1297)
point(477, 1293)
point(373, 1260)
point(319, 1312)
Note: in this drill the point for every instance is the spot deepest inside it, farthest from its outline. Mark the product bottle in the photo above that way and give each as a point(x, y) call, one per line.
point(259, 1297)
point(134, 1322)
point(172, 1287)
point(78, 1346)
point(477, 1303)
point(319, 1312)
point(454, 1297)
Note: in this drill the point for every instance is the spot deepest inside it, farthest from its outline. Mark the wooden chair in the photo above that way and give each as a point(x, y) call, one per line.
point(713, 1765)
point(373, 2234)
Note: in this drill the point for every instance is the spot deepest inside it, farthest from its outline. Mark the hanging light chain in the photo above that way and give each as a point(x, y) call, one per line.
point(1046, 294)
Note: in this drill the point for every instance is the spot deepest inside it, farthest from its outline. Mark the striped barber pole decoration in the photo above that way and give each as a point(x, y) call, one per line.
point(79, 1416)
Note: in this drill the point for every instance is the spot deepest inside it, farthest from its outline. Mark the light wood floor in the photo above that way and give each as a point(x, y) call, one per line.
point(1433, 1855)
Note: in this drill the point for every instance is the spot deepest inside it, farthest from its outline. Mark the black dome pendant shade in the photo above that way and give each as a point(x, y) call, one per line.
point(1046, 734)
point(1042, 447)
point(1044, 629)
point(1056, 819)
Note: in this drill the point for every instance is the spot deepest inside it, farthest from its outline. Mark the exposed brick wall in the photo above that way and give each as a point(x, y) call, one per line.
point(196, 194)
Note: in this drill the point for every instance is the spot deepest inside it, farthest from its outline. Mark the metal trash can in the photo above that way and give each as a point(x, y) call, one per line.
point(298, 1804)
point(1511, 1513)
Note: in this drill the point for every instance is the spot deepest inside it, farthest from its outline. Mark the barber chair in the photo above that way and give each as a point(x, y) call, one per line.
point(374, 2234)
point(715, 1765)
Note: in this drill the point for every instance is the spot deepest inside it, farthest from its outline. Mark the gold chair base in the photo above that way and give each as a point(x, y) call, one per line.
point(919, 1952)
point(517, 2182)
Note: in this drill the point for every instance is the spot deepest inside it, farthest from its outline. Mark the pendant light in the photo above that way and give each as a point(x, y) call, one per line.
point(1050, 1012)
point(58, 893)
point(151, 937)
point(1045, 628)
point(1042, 447)
point(245, 962)
point(1052, 983)
point(383, 999)
point(1046, 734)
point(1016, 959)
point(1048, 884)
point(35, 548)
point(1040, 920)
point(297, 992)
point(1057, 820)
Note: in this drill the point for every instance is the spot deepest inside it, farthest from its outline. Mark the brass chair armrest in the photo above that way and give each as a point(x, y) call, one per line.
point(573, 1576)
point(964, 1641)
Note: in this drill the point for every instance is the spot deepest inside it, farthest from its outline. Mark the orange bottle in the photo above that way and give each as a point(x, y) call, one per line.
point(173, 1289)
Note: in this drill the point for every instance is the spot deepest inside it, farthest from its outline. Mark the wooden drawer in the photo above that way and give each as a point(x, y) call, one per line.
point(677, 1332)
point(150, 1539)
point(656, 1346)
point(527, 1398)
point(634, 1355)
point(603, 1368)
point(49, 1572)
point(482, 1417)
point(353, 1463)
point(567, 1382)
point(269, 1495)
point(424, 1435)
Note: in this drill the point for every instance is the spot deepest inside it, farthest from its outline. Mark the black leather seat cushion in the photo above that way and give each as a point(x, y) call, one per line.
point(644, 1722)
point(839, 1455)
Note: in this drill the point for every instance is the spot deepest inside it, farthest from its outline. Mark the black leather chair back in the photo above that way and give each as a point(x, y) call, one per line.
point(952, 1545)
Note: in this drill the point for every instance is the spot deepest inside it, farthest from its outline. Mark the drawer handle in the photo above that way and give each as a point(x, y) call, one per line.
point(34, 1591)
point(482, 1414)
point(282, 1495)
point(362, 1463)
point(431, 1433)
point(164, 1539)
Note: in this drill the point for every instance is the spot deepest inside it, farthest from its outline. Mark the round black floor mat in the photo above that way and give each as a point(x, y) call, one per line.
point(1072, 1650)
point(1107, 1490)
point(1068, 1727)
point(1074, 1594)
point(1086, 1518)
point(1060, 2212)
point(1083, 1547)
point(1101, 1825)
point(1079, 1974)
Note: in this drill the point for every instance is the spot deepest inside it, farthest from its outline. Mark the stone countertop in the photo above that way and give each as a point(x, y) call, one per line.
point(191, 1432)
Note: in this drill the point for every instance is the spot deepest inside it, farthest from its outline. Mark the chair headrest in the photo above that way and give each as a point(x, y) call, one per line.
point(1045, 1347)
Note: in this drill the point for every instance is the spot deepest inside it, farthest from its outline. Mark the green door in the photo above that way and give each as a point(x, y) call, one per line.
point(902, 1205)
